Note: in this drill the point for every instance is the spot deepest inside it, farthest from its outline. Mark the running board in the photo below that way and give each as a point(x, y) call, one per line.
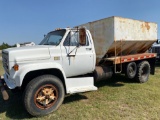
point(81, 89)
point(76, 85)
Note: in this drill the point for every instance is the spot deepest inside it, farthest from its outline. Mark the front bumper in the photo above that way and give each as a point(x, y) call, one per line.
point(10, 82)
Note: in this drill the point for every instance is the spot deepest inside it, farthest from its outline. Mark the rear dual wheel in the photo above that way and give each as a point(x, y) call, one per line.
point(143, 72)
point(43, 95)
point(139, 72)
point(131, 69)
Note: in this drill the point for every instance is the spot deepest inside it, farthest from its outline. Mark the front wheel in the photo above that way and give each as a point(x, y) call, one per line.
point(43, 95)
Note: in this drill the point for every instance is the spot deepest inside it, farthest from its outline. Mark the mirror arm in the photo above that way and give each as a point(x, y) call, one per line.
point(158, 41)
point(78, 45)
point(68, 55)
point(71, 55)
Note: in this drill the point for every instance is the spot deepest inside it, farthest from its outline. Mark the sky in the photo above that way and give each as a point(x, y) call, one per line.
point(28, 20)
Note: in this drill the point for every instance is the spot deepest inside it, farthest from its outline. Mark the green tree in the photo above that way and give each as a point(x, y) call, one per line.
point(4, 46)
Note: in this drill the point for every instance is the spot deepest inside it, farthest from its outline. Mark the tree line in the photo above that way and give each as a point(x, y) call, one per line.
point(5, 46)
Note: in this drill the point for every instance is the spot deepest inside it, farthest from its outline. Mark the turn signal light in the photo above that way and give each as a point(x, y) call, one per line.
point(16, 67)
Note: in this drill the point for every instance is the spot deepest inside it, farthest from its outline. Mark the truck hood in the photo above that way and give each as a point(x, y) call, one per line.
point(28, 53)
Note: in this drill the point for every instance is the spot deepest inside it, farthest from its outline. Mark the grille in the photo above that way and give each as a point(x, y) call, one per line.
point(156, 49)
point(5, 62)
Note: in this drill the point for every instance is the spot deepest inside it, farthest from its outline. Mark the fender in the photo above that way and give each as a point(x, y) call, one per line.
point(24, 69)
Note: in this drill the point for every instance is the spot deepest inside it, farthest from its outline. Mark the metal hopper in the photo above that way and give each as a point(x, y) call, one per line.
point(116, 36)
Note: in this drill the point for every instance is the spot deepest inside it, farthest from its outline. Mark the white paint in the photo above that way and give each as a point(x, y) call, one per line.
point(25, 44)
point(81, 61)
point(83, 84)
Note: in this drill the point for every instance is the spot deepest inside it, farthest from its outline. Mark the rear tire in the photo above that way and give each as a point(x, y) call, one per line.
point(43, 95)
point(131, 69)
point(143, 72)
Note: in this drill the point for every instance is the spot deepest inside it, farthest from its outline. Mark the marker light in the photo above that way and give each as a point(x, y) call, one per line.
point(16, 67)
point(58, 29)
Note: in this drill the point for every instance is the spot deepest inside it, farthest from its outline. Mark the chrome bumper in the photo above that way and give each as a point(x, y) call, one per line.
point(9, 81)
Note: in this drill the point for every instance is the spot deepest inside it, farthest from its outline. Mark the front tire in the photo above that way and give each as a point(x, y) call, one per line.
point(43, 95)
point(143, 72)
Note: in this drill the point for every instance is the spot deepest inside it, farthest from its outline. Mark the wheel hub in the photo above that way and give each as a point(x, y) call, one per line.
point(46, 96)
point(131, 70)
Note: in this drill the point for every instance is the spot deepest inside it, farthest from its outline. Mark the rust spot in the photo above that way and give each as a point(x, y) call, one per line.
point(147, 25)
point(143, 29)
point(143, 48)
point(121, 20)
point(129, 47)
point(99, 70)
point(97, 60)
point(82, 36)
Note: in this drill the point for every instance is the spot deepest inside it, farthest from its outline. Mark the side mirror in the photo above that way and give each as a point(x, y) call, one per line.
point(82, 36)
point(158, 41)
point(44, 35)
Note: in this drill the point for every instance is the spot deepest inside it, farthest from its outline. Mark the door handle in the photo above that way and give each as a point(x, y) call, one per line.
point(88, 48)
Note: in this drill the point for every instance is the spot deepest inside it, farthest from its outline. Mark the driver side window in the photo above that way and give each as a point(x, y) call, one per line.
point(72, 39)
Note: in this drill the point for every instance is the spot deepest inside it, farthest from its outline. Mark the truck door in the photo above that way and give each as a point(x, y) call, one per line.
point(77, 59)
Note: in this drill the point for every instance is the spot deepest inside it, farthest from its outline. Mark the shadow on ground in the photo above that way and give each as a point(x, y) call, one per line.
point(116, 81)
point(13, 108)
point(74, 97)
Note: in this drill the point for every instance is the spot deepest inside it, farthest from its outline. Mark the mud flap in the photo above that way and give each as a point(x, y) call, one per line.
point(152, 64)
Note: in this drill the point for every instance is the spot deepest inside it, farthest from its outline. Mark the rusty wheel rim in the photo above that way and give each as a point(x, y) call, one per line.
point(46, 96)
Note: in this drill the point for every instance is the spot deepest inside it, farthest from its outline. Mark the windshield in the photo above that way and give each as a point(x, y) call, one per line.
point(53, 38)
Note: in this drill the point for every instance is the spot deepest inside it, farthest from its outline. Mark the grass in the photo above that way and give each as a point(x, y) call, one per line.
point(1, 68)
point(116, 99)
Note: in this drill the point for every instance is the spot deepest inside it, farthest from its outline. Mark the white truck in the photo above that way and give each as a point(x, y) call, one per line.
point(156, 49)
point(71, 60)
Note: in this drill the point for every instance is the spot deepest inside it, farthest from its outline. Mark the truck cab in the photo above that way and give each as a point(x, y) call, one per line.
point(58, 48)
point(63, 54)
